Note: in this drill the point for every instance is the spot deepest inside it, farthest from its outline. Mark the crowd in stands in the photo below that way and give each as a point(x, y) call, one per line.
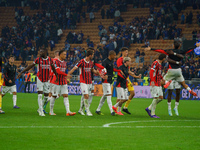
point(45, 28)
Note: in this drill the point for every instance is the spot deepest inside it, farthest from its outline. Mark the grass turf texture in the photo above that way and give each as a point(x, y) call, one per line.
point(83, 132)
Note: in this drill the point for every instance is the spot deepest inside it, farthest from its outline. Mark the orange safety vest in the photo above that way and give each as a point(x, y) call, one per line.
point(27, 77)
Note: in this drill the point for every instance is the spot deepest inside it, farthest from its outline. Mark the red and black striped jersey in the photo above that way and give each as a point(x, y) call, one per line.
point(61, 65)
point(52, 73)
point(85, 71)
point(43, 68)
point(155, 73)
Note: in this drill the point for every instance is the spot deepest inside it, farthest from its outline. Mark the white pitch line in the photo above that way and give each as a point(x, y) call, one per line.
point(90, 127)
point(113, 123)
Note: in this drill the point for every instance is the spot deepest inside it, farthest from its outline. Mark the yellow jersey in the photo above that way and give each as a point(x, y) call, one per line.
point(1, 79)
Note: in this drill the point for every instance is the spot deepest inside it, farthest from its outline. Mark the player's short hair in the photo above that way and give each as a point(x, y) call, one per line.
point(112, 53)
point(10, 56)
point(124, 49)
point(61, 51)
point(56, 52)
point(161, 56)
point(126, 59)
point(89, 52)
point(90, 48)
point(176, 44)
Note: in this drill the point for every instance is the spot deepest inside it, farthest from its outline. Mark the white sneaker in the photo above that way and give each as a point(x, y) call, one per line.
point(89, 113)
point(81, 112)
point(41, 113)
point(176, 111)
point(2, 112)
point(170, 112)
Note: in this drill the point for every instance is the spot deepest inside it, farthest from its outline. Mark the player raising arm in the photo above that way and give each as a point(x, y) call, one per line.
point(44, 62)
point(174, 72)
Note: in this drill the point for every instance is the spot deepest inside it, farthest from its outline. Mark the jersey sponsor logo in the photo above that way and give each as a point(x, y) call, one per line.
point(45, 66)
point(87, 69)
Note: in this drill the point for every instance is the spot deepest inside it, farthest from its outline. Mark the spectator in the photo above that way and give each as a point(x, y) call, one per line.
point(100, 26)
point(67, 46)
point(52, 44)
point(137, 55)
point(142, 56)
point(108, 14)
point(91, 16)
point(84, 17)
point(182, 18)
point(88, 40)
point(59, 33)
point(102, 13)
point(194, 34)
point(117, 13)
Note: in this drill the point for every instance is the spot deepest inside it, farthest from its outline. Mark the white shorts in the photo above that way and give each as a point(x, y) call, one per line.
point(106, 88)
point(156, 91)
point(174, 85)
point(174, 74)
point(86, 88)
point(42, 86)
point(122, 93)
point(9, 89)
point(92, 85)
point(59, 89)
point(50, 87)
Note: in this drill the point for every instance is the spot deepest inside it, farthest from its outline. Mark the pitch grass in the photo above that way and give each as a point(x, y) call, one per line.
point(74, 133)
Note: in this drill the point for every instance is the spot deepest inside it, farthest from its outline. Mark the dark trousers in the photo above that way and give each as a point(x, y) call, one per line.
point(27, 84)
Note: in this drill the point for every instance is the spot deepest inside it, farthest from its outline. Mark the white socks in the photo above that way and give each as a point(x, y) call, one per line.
point(14, 100)
point(169, 105)
point(66, 103)
point(82, 103)
point(90, 99)
point(52, 101)
point(153, 107)
point(109, 103)
point(86, 105)
point(44, 100)
point(119, 109)
point(49, 98)
point(176, 105)
point(157, 101)
point(188, 88)
point(116, 105)
point(40, 102)
point(103, 98)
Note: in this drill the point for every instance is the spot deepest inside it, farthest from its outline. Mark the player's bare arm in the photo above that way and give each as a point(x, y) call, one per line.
point(54, 71)
point(95, 71)
point(133, 75)
point(72, 70)
point(26, 69)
